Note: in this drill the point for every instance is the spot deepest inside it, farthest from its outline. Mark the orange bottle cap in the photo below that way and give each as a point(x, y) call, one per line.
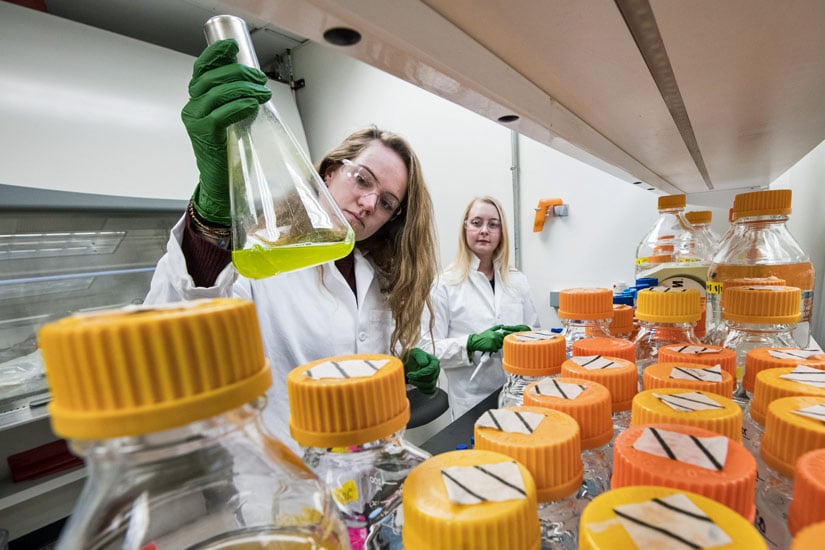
point(809, 538)
point(618, 375)
point(762, 203)
point(697, 217)
point(369, 403)
point(688, 376)
point(667, 202)
point(673, 406)
point(586, 401)
point(669, 305)
point(622, 322)
point(551, 451)
point(701, 355)
point(808, 491)
point(759, 359)
point(433, 521)
point(135, 371)
point(586, 304)
point(535, 353)
point(731, 481)
point(749, 281)
point(774, 384)
point(603, 345)
point(790, 433)
point(764, 305)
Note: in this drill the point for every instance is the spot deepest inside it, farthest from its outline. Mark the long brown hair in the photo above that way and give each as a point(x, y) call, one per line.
point(403, 249)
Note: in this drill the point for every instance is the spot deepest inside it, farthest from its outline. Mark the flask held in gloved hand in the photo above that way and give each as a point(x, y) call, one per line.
point(421, 370)
point(221, 93)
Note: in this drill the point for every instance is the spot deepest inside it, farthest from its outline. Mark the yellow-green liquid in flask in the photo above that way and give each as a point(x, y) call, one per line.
point(259, 262)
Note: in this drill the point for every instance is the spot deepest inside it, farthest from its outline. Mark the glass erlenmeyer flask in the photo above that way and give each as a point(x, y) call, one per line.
point(283, 217)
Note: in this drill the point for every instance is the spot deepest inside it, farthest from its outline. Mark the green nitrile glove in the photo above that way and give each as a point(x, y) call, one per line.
point(221, 93)
point(510, 329)
point(421, 370)
point(489, 341)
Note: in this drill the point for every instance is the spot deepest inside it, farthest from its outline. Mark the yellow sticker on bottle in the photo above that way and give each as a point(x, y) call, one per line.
point(713, 287)
point(346, 493)
point(641, 261)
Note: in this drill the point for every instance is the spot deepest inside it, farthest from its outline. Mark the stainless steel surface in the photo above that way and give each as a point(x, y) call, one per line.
point(221, 27)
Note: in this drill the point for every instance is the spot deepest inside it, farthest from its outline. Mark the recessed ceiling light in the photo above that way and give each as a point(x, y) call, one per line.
point(508, 118)
point(342, 36)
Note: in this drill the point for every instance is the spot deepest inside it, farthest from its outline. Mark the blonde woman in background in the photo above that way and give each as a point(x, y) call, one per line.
point(477, 301)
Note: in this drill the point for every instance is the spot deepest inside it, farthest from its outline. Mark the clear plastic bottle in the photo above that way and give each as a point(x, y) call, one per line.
point(349, 412)
point(438, 515)
point(283, 217)
point(614, 373)
point(703, 241)
point(585, 313)
point(666, 316)
point(789, 434)
point(667, 240)
point(758, 317)
point(760, 245)
point(526, 358)
point(808, 492)
point(687, 458)
point(773, 384)
point(554, 438)
point(165, 405)
point(590, 404)
point(605, 523)
point(716, 335)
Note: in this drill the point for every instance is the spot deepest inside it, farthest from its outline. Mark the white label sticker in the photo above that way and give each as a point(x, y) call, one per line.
point(802, 354)
point(817, 412)
point(596, 362)
point(351, 368)
point(522, 422)
point(695, 350)
point(689, 401)
point(554, 388)
point(706, 452)
point(536, 336)
point(806, 375)
point(484, 483)
point(688, 372)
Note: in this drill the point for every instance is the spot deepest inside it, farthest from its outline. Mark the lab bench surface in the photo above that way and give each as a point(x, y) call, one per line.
point(460, 430)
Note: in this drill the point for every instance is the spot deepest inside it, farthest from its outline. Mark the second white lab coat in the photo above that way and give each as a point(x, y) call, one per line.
point(470, 307)
point(301, 318)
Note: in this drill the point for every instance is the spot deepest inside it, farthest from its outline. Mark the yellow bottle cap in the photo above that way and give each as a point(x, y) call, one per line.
point(668, 305)
point(667, 202)
point(703, 354)
point(601, 528)
point(697, 217)
point(353, 409)
point(790, 434)
point(763, 305)
point(603, 345)
point(770, 385)
point(808, 492)
point(591, 408)
point(618, 375)
point(759, 359)
point(432, 521)
point(586, 304)
point(533, 353)
point(551, 452)
point(687, 376)
point(722, 415)
point(135, 371)
point(622, 322)
point(762, 203)
point(731, 482)
point(809, 538)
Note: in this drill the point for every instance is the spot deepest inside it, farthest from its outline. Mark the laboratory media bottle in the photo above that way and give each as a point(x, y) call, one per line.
point(601, 345)
point(548, 443)
point(808, 492)
point(704, 354)
point(759, 359)
point(758, 317)
point(349, 413)
point(614, 373)
point(622, 326)
point(793, 426)
point(526, 358)
point(666, 316)
point(165, 405)
point(648, 516)
point(773, 384)
point(760, 245)
point(283, 217)
point(689, 376)
point(687, 458)
point(585, 313)
point(705, 241)
point(470, 499)
point(688, 407)
point(716, 335)
point(589, 403)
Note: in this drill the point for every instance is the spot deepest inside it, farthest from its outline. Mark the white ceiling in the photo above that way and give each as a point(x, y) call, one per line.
point(696, 97)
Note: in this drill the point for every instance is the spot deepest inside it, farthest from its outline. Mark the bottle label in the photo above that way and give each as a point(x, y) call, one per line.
point(713, 287)
point(346, 493)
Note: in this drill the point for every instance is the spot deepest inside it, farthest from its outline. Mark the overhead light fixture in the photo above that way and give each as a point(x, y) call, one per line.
point(342, 36)
point(508, 118)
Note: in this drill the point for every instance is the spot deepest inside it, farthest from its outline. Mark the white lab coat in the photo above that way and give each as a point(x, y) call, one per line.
point(471, 307)
point(301, 319)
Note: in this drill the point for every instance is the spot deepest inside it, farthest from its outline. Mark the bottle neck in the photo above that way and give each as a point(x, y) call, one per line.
point(221, 27)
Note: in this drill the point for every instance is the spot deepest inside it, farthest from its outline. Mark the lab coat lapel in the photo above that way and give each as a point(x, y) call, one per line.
point(364, 274)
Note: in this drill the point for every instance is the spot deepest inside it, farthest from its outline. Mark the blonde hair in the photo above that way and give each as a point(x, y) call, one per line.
point(460, 266)
point(403, 249)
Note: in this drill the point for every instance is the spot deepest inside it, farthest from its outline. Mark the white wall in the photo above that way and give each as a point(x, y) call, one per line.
point(465, 155)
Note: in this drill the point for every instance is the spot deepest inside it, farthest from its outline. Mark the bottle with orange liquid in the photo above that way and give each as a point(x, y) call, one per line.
point(760, 245)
